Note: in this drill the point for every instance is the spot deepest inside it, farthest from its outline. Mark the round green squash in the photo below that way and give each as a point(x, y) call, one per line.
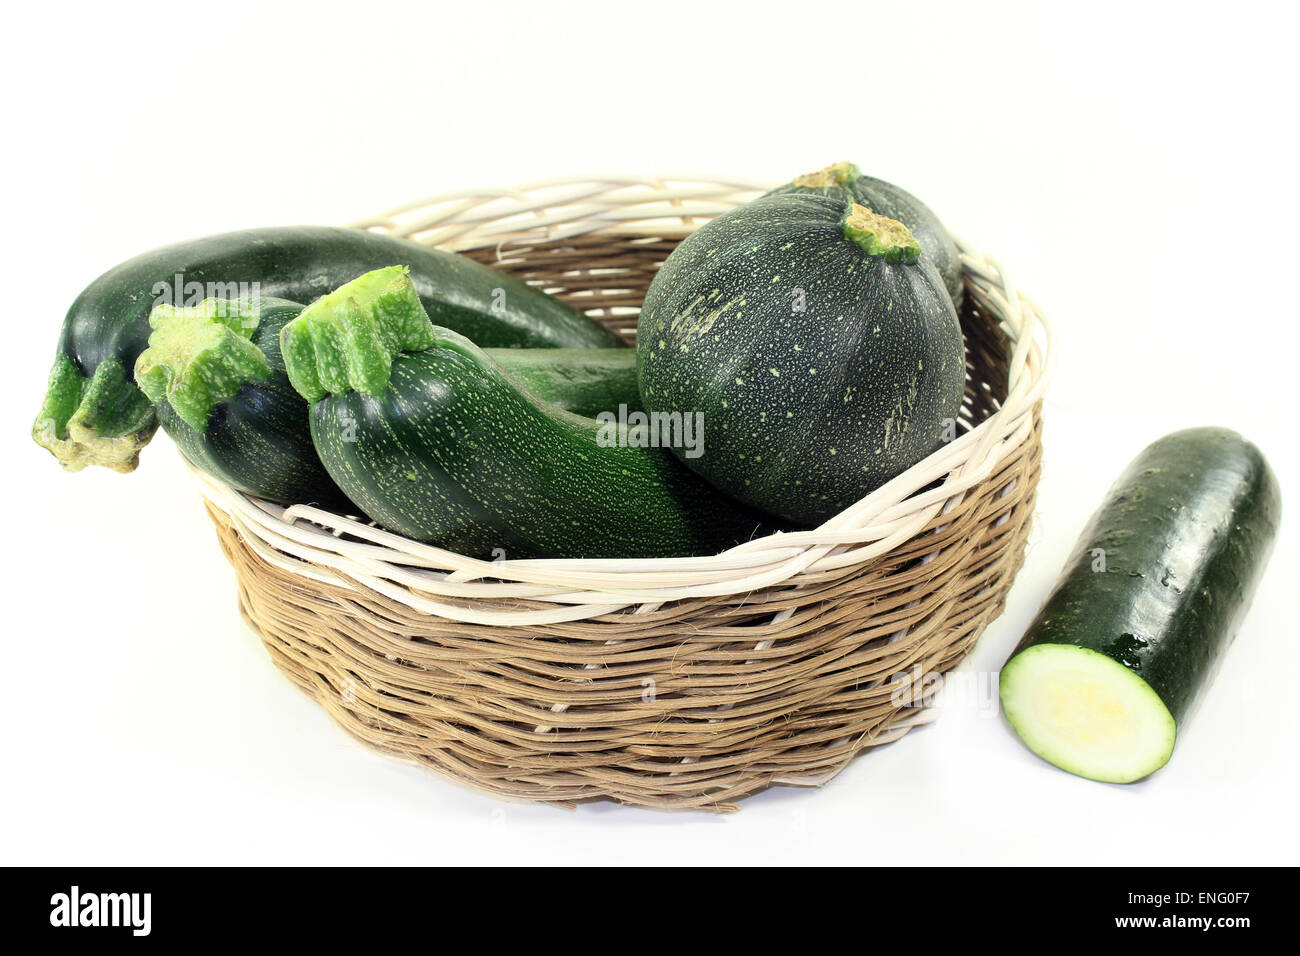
point(819, 346)
point(845, 182)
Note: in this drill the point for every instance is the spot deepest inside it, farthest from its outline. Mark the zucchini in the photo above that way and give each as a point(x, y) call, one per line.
point(820, 347)
point(583, 381)
point(845, 182)
point(218, 385)
point(432, 440)
point(217, 381)
point(1150, 599)
point(93, 414)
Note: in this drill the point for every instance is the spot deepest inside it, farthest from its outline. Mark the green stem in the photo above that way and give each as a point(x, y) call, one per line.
point(200, 356)
point(880, 235)
point(346, 341)
point(836, 174)
point(101, 420)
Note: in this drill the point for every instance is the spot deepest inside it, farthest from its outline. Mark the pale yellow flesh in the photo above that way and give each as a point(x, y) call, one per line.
point(1086, 713)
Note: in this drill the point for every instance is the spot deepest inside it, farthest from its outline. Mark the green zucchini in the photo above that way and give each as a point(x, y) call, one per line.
point(845, 182)
point(217, 382)
point(585, 382)
point(216, 378)
point(93, 414)
point(1150, 599)
point(820, 347)
point(433, 440)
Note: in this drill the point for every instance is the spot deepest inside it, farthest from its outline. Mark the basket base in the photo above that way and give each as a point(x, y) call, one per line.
point(693, 705)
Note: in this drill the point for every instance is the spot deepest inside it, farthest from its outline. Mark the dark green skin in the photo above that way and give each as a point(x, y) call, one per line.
point(585, 382)
point(109, 321)
point(455, 454)
point(790, 443)
point(886, 199)
point(260, 440)
point(1186, 531)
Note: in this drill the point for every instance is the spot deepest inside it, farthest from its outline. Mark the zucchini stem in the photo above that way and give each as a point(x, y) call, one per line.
point(200, 356)
point(836, 174)
point(880, 235)
point(98, 420)
point(347, 340)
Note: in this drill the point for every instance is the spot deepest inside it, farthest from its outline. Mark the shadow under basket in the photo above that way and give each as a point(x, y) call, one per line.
point(669, 683)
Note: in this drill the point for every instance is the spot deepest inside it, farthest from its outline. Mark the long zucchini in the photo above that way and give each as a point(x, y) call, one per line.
point(218, 385)
point(93, 414)
point(1150, 600)
point(585, 382)
point(434, 441)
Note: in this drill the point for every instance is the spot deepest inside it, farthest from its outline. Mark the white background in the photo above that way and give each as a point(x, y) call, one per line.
point(1134, 168)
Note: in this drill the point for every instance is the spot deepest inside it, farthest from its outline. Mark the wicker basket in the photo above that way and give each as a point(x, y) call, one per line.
point(670, 683)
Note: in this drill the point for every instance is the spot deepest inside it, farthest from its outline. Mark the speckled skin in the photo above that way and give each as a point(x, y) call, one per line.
point(804, 412)
point(455, 454)
point(259, 439)
point(109, 321)
point(1186, 532)
point(886, 199)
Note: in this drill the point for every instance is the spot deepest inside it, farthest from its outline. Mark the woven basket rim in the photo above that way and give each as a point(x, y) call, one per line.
point(319, 545)
point(670, 206)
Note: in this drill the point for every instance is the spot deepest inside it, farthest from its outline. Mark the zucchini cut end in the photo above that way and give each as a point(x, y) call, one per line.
point(1086, 713)
point(81, 447)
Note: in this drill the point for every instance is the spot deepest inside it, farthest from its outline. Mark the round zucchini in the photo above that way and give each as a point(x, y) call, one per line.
point(845, 182)
point(93, 414)
point(820, 347)
point(1150, 600)
point(433, 440)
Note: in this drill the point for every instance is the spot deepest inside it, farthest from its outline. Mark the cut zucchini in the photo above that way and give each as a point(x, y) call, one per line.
point(1149, 602)
point(1086, 713)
